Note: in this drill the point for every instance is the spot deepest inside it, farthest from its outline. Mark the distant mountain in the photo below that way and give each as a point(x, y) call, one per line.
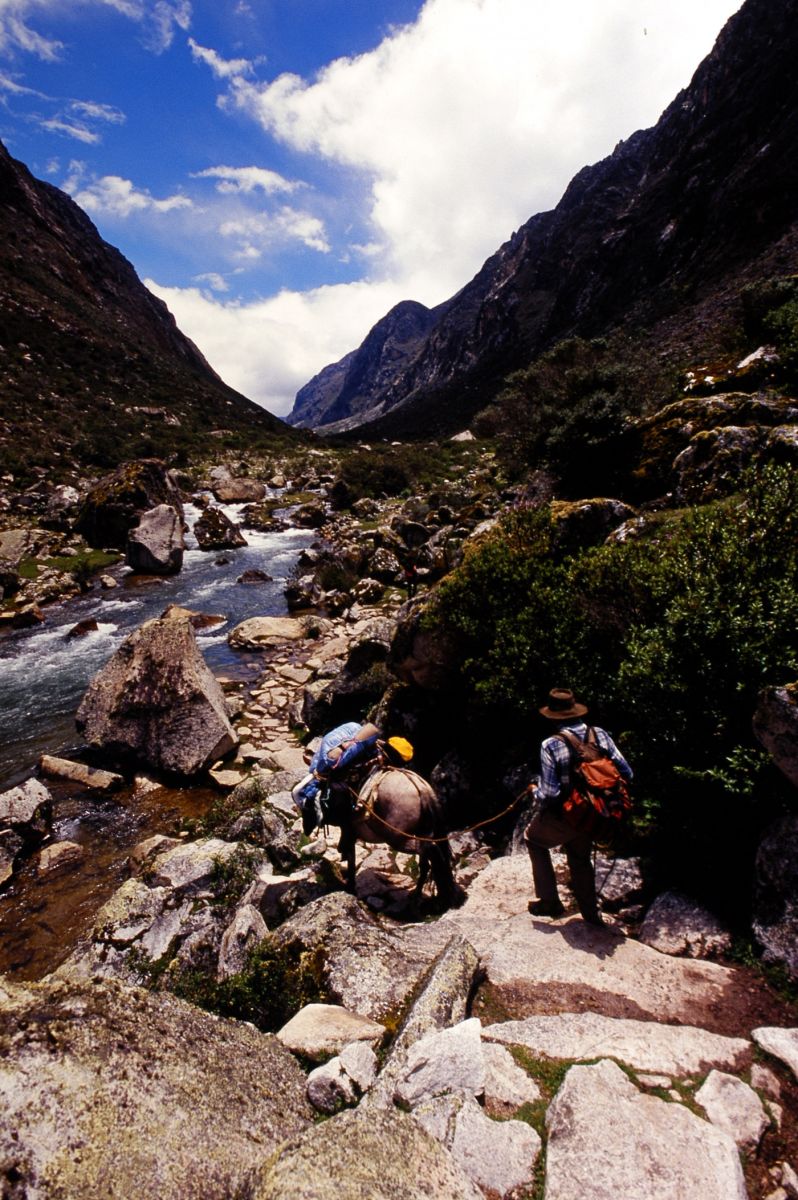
point(656, 240)
point(347, 388)
point(93, 368)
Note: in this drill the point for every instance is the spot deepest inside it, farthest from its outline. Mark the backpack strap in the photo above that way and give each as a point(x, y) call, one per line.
point(574, 743)
point(583, 749)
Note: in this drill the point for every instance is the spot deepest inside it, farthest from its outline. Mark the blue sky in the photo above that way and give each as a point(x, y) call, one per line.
point(282, 172)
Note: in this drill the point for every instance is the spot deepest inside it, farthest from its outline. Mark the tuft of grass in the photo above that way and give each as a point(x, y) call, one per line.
point(267, 992)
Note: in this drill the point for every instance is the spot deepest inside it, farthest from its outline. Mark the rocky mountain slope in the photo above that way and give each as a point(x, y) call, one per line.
point(657, 240)
point(92, 365)
point(346, 387)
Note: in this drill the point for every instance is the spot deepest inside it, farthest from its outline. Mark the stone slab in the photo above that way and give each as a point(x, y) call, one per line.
point(673, 1050)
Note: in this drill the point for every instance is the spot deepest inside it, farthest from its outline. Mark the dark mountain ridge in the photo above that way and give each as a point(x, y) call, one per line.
point(93, 366)
point(342, 389)
point(657, 240)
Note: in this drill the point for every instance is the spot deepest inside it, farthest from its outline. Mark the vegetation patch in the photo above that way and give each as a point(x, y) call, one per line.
point(232, 876)
point(670, 638)
point(271, 988)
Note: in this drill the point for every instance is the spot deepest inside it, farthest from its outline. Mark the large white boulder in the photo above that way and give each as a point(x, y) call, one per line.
point(155, 546)
point(608, 1140)
point(157, 700)
point(114, 1091)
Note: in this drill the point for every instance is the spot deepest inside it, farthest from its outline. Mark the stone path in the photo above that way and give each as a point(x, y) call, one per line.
point(291, 660)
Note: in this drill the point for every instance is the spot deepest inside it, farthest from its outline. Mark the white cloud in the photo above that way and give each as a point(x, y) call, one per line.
point(17, 89)
point(94, 111)
point(112, 195)
point(16, 34)
point(159, 20)
point(162, 20)
point(246, 180)
point(268, 350)
point(480, 113)
point(73, 129)
point(215, 281)
point(450, 134)
point(257, 231)
point(222, 68)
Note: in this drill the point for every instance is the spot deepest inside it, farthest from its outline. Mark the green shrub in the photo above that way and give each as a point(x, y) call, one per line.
point(770, 314)
point(570, 411)
point(269, 990)
point(670, 639)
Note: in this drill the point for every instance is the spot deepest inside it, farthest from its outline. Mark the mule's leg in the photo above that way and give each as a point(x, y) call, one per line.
point(346, 848)
point(423, 872)
point(449, 891)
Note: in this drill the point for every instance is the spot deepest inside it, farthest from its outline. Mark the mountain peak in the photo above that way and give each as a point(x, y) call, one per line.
point(656, 239)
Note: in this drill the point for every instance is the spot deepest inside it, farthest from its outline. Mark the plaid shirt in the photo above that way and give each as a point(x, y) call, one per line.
point(555, 761)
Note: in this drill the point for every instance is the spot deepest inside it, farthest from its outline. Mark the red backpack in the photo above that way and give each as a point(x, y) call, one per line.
point(597, 785)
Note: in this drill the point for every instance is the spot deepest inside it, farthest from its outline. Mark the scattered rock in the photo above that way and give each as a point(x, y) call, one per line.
point(582, 523)
point(11, 846)
point(177, 906)
point(379, 1155)
point(498, 1156)
point(765, 1080)
point(330, 1088)
point(90, 777)
point(215, 531)
point(734, 1107)
point(197, 620)
point(531, 966)
point(236, 490)
point(507, 1086)
point(674, 1050)
point(319, 1030)
point(449, 1060)
point(60, 856)
point(27, 810)
point(259, 632)
point(246, 931)
point(225, 778)
point(658, 1150)
point(114, 505)
point(82, 629)
point(344, 1079)
point(253, 576)
point(675, 924)
point(781, 1043)
point(776, 727)
point(775, 915)
point(362, 964)
point(441, 1002)
point(156, 546)
point(27, 617)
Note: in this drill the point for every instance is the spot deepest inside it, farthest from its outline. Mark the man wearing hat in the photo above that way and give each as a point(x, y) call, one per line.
point(549, 826)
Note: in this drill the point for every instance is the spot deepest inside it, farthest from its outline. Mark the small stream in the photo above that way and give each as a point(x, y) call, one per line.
point(43, 676)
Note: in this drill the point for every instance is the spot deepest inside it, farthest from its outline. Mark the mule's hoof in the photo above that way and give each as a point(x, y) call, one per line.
point(458, 898)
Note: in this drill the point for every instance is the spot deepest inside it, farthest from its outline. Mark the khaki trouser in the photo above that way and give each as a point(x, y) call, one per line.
point(548, 829)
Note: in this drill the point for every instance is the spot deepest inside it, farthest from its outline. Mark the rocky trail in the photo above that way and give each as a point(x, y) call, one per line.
point(481, 1052)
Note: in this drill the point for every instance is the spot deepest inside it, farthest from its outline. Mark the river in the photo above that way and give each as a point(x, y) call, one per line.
point(43, 676)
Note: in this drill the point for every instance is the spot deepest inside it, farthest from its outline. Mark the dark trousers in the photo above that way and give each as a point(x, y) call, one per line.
point(548, 829)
